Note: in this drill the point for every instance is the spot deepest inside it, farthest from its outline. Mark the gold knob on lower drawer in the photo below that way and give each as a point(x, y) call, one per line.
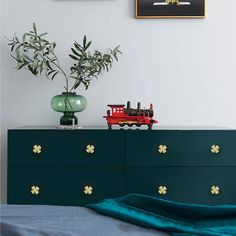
point(88, 190)
point(215, 190)
point(37, 149)
point(90, 149)
point(162, 190)
point(215, 149)
point(35, 190)
point(162, 149)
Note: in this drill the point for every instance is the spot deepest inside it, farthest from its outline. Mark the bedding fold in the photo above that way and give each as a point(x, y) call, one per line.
point(171, 217)
point(38, 220)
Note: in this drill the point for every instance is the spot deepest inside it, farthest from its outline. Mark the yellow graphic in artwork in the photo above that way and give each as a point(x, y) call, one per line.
point(35, 190)
point(172, 2)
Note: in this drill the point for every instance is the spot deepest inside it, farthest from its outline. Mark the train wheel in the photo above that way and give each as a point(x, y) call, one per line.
point(130, 125)
point(109, 126)
point(122, 125)
point(149, 126)
point(138, 125)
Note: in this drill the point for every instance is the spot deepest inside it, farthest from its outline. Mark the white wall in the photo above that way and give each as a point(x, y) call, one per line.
point(185, 67)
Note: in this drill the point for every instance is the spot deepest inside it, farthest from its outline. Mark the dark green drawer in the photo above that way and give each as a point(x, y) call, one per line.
point(184, 148)
point(63, 186)
point(66, 147)
point(192, 184)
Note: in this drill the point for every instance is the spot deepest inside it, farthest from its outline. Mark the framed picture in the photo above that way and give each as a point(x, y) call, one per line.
point(170, 9)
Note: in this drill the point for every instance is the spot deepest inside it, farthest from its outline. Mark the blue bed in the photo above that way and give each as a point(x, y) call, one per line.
point(148, 216)
point(31, 220)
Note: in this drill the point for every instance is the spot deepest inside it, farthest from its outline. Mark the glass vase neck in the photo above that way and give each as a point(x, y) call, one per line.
point(68, 93)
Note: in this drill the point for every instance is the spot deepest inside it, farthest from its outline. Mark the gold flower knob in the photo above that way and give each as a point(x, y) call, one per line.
point(215, 149)
point(88, 190)
point(90, 149)
point(37, 149)
point(162, 190)
point(215, 190)
point(162, 149)
point(35, 190)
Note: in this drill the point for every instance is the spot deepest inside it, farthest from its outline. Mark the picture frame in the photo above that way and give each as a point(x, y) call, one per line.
point(151, 9)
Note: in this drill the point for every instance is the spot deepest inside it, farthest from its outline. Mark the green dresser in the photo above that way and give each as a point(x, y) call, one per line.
point(65, 167)
point(77, 167)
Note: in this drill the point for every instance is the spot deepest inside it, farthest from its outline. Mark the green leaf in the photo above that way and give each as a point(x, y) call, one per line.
point(84, 41)
point(35, 72)
point(75, 52)
point(21, 66)
point(18, 47)
point(116, 48)
point(12, 47)
point(41, 67)
point(73, 77)
point(45, 41)
point(54, 59)
point(43, 34)
point(73, 69)
point(55, 75)
point(48, 65)
point(86, 83)
point(29, 34)
point(15, 58)
point(77, 84)
point(32, 70)
point(24, 37)
point(88, 45)
point(78, 47)
point(115, 56)
point(34, 28)
point(35, 56)
point(50, 72)
point(74, 57)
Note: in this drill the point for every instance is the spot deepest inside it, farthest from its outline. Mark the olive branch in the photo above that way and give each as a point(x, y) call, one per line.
point(37, 55)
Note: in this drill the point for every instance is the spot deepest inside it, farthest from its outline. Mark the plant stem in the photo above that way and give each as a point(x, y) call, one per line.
point(61, 70)
point(80, 78)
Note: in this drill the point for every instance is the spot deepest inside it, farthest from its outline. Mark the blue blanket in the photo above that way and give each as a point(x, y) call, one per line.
point(36, 220)
point(171, 217)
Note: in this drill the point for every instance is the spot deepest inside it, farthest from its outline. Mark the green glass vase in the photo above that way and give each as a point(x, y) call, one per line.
point(68, 103)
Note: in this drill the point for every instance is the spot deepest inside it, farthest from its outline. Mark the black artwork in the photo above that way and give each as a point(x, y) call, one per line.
point(170, 8)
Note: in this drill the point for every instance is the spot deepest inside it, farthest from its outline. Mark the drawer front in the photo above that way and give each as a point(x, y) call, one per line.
point(181, 148)
point(202, 185)
point(66, 147)
point(63, 186)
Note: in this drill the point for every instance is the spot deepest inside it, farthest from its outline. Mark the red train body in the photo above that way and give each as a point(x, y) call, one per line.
point(119, 115)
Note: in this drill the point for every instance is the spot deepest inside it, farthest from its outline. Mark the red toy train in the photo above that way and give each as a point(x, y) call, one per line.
point(119, 115)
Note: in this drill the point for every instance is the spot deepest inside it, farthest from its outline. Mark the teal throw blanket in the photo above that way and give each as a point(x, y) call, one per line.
point(172, 217)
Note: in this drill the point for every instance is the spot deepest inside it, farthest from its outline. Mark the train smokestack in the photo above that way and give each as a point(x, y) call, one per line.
point(139, 106)
point(128, 105)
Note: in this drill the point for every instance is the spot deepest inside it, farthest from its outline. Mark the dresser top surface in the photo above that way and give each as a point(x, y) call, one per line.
point(125, 128)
